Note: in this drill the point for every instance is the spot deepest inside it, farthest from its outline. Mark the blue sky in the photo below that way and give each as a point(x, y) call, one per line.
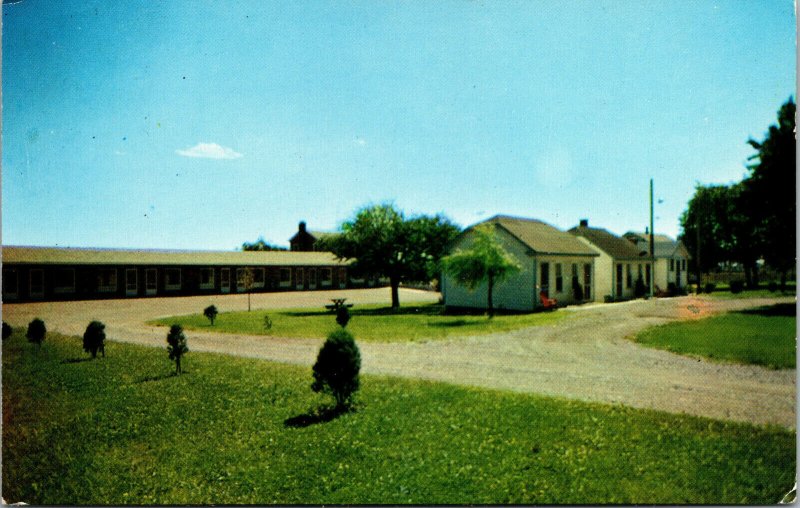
point(201, 125)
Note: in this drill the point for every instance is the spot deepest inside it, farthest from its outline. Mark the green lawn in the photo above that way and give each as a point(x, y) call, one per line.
point(368, 322)
point(123, 430)
point(763, 336)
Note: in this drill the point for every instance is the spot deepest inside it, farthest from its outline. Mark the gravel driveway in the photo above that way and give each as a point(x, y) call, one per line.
point(586, 357)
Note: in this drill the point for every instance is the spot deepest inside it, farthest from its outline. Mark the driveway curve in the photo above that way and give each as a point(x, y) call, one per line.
point(586, 357)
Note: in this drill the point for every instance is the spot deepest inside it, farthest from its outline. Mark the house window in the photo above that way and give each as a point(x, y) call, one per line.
point(285, 277)
point(206, 278)
point(326, 276)
point(37, 283)
point(628, 276)
point(559, 279)
point(106, 280)
point(671, 265)
point(65, 280)
point(258, 277)
point(10, 284)
point(172, 278)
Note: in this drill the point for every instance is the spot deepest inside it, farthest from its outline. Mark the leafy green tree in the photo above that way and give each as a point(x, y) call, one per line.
point(94, 338)
point(211, 313)
point(484, 261)
point(7, 330)
point(771, 189)
point(260, 245)
point(176, 345)
point(383, 242)
point(36, 331)
point(337, 367)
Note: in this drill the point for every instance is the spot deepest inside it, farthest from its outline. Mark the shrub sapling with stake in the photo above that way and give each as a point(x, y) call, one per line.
point(337, 367)
point(211, 313)
point(176, 345)
point(342, 316)
point(94, 339)
point(36, 331)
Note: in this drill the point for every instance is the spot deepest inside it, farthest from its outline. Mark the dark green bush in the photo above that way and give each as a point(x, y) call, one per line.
point(337, 367)
point(267, 322)
point(737, 286)
point(710, 287)
point(176, 345)
point(211, 313)
point(36, 331)
point(342, 316)
point(7, 330)
point(94, 338)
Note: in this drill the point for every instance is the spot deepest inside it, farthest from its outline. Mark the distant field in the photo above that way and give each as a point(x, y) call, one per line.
point(412, 322)
point(124, 430)
point(762, 336)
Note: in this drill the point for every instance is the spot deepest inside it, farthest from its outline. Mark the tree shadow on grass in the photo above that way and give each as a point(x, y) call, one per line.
point(416, 310)
point(780, 309)
point(159, 378)
point(322, 414)
point(77, 360)
point(454, 324)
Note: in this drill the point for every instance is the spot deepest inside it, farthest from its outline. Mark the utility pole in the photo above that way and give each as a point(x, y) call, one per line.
point(697, 259)
point(652, 246)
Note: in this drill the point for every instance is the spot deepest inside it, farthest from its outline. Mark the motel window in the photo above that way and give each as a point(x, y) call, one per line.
point(325, 276)
point(37, 283)
point(285, 277)
point(64, 280)
point(671, 265)
point(559, 279)
point(206, 278)
point(172, 278)
point(10, 283)
point(628, 276)
point(258, 277)
point(107, 280)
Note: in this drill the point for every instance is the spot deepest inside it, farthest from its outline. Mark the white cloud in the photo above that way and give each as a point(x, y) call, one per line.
point(554, 169)
point(209, 151)
point(360, 141)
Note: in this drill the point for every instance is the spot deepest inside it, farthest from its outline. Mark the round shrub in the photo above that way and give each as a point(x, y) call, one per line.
point(94, 338)
point(342, 316)
point(176, 345)
point(211, 313)
point(337, 367)
point(7, 330)
point(36, 331)
point(737, 286)
point(710, 287)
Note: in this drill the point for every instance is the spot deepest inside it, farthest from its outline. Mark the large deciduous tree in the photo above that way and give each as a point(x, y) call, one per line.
point(384, 243)
point(484, 261)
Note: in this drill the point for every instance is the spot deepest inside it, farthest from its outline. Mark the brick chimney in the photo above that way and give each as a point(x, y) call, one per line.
point(302, 227)
point(584, 223)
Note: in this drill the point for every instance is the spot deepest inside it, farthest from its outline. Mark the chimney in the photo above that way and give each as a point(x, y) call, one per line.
point(584, 223)
point(302, 227)
point(646, 230)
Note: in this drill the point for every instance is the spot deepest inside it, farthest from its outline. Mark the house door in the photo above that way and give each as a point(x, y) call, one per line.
point(678, 274)
point(131, 284)
point(587, 281)
point(544, 281)
point(225, 280)
point(619, 280)
point(312, 278)
point(36, 287)
point(150, 281)
point(647, 282)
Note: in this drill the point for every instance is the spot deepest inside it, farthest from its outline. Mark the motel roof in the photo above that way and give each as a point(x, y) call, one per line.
point(96, 256)
point(663, 246)
point(611, 244)
point(541, 237)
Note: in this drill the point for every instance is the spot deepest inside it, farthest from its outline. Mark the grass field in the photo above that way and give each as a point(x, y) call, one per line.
point(124, 430)
point(368, 322)
point(763, 336)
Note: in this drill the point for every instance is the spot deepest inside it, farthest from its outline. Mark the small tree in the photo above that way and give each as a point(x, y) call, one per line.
point(211, 313)
point(176, 345)
point(36, 331)
point(342, 316)
point(247, 279)
point(7, 330)
point(485, 261)
point(94, 338)
point(337, 367)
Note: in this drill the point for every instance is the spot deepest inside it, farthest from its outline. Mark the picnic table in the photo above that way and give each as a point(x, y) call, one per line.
point(338, 303)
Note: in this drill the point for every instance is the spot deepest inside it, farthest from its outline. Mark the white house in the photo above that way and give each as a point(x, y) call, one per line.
point(619, 264)
point(671, 258)
point(553, 262)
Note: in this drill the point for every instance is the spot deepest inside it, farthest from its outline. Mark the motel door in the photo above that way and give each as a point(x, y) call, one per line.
point(619, 280)
point(225, 280)
point(678, 274)
point(150, 281)
point(544, 282)
point(131, 284)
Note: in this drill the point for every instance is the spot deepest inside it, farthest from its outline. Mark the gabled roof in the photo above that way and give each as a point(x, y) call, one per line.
point(611, 244)
point(664, 246)
point(81, 256)
point(540, 237)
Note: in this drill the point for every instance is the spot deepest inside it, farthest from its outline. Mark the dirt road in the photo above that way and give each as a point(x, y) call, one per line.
point(586, 357)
